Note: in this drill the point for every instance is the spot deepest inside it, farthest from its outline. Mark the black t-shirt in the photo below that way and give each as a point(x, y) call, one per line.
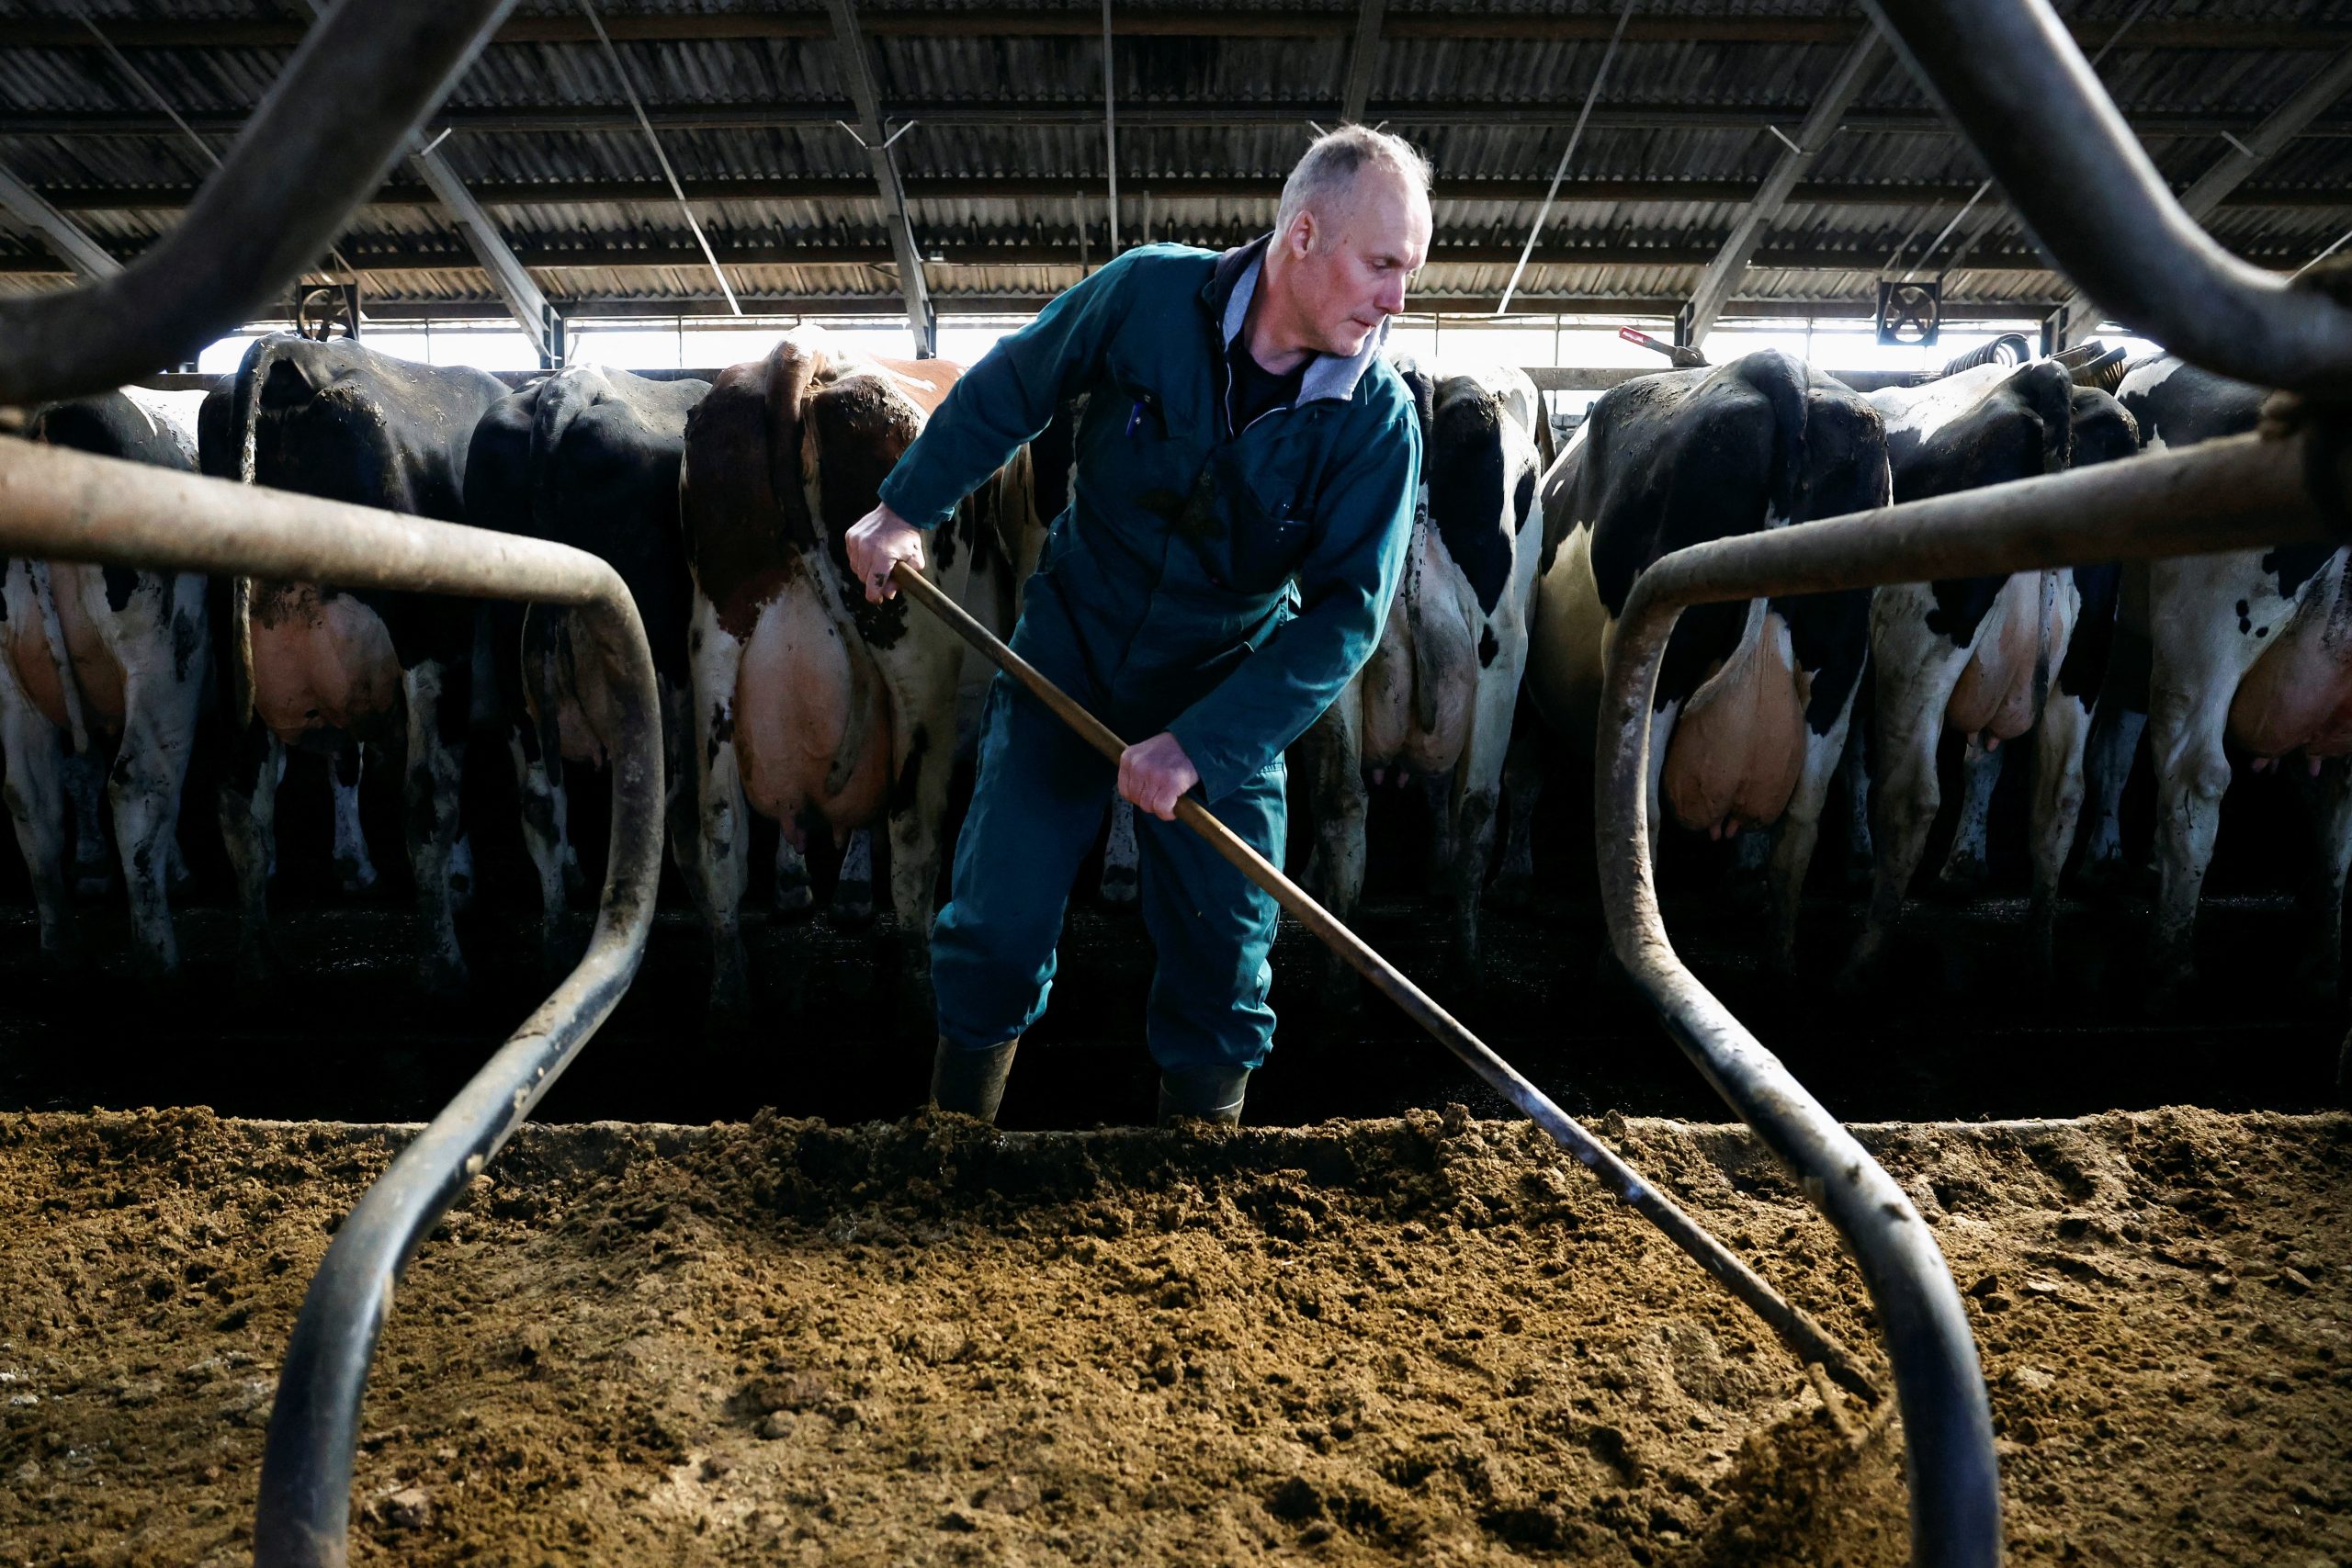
point(1255, 387)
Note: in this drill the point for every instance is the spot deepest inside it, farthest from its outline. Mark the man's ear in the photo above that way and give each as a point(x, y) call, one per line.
point(1301, 237)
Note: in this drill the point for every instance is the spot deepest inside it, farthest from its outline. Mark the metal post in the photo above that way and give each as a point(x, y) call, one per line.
point(1111, 128)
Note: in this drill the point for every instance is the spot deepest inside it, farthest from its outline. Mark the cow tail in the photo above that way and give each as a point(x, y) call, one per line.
point(2049, 390)
point(1782, 382)
point(795, 368)
point(244, 439)
point(562, 399)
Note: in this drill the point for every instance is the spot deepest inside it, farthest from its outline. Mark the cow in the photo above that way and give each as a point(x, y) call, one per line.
point(1753, 697)
point(811, 706)
point(1435, 700)
point(2247, 650)
point(1987, 658)
point(102, 676)
point(326, 669)
point(588, 457)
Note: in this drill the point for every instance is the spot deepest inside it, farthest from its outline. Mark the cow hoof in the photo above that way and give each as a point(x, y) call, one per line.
point(575, 881)
point(1119, 890)
point(92, 885)
point(794, 898)
point(1964, 876)
point(355, 876)
point(852, 909)
point(1859, 978)
point(259, 966)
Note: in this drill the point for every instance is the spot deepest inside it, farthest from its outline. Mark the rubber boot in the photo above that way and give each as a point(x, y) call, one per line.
point(1203, 1094)
point(971, 1081)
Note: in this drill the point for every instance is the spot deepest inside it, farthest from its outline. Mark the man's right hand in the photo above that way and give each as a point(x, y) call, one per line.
point(877, 542)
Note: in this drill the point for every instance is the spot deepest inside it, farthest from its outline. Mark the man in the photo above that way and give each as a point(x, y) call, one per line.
point(1245, 474)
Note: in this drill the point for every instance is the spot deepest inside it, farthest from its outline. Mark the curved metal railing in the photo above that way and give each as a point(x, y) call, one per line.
point(344, 110)
point(67, 505)
point(2256, 491)
point(2008, 72)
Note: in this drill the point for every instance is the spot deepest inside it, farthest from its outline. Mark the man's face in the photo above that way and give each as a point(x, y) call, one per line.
point(1349, 259)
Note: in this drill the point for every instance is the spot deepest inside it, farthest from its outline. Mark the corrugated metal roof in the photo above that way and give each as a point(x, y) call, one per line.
point(1484, 108)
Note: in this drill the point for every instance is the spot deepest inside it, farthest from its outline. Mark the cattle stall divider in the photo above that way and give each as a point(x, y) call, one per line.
point(2289, 483)
point(67, 505)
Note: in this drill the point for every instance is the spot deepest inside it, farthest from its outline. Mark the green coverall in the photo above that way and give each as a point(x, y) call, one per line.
point(1223, 587)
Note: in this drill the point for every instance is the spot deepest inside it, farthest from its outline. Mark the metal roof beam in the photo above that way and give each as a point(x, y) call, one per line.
point(1725, 273)
point(849, 49)
point(1168, 114)
point(1169, 187)
point(1363, 56)
point(2220, 32)
point(2231, 170)
point(74, 248)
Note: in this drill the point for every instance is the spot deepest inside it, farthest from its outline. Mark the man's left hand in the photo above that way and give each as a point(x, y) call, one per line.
point(1155, 773)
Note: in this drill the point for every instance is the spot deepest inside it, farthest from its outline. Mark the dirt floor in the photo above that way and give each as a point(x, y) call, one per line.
point(1425, 1340)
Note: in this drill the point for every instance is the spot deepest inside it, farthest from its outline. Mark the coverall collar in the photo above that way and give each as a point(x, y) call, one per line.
point(1233, 282)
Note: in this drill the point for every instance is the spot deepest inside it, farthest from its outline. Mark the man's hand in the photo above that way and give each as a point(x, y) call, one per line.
point(878, 541)
point(1155, 773)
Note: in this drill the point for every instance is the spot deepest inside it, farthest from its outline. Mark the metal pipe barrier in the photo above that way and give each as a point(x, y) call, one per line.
point(347, 107)
point(2010, 74)
point(67, 505)
point(1810, 1343)
point(2286, 484)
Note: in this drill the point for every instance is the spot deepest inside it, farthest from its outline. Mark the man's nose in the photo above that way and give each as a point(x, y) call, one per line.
point(1391, 297)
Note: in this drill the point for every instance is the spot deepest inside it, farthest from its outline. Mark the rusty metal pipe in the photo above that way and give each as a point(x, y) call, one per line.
point(2253, 490)
point(347, 107)
point(67, 505)
point(1806, 1339)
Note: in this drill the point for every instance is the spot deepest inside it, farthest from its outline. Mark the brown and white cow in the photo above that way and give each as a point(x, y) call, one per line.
point(1434, 702)
point(313, 665)
point(1992, 657)
point(811, 706)
point(1753, 698)
point(102, 674)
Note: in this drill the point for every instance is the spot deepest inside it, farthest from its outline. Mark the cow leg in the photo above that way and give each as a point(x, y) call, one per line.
point(1522, 787)
point(1119, 857)
point(1799, 832)
point(1331, 763)
point(1964, 868)
point(2060, 742)
point(1477, 800)
point(353, 867)
point(792, 892)
point(721, 847)
point(2114, 740)
point(84, 782)
point(1661, 740)
point(2332, 826)
point(143, 788)
point(2192, 772)
point(1854, 770)
point(1915, 683)
point(438, 709)
point(247, 803)
point(35, 790)
point(535, 746)
point(854, 891)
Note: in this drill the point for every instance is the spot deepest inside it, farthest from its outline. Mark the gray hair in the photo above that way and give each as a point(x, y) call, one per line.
point(1332, 165)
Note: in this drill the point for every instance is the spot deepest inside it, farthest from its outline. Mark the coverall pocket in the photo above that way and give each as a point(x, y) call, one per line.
point(1265, 535)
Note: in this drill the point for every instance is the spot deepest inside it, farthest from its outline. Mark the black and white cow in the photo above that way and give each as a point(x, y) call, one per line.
point(102, 672)
point(1988, 658)
point(587, 457)
point(2248, 649)
point(313, 665)
point(1753, 698)
point(1434, 702)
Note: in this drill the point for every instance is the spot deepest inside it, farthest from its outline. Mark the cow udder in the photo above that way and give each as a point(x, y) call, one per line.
point(2298, 696)
point(1738, 746)
point(321, 662)
point(97, 678)
point(1420, 687)
point(794, 700)
point(1994, 694)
